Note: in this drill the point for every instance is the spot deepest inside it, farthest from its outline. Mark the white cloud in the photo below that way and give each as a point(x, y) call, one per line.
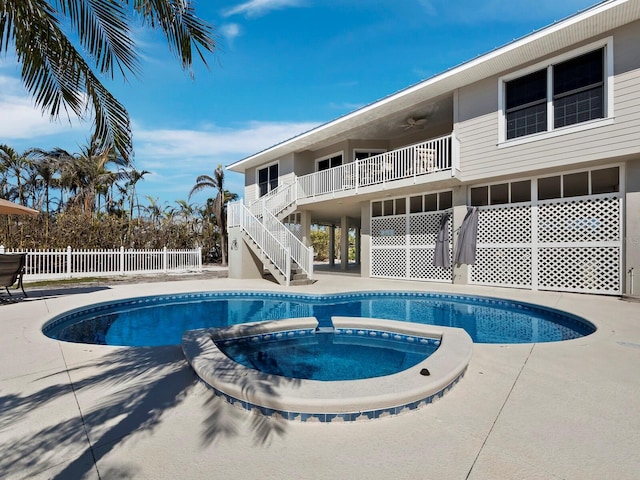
point(230, 31)
point(256, 8)
point(20, 118)
point(177, 157)
point(157, 145)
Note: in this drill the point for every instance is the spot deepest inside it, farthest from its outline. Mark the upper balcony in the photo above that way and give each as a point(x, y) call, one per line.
point(396, 168)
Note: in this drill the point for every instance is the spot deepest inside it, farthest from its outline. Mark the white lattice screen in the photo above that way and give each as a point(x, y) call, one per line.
point(577, 246)
point(504, 249)
point(580, 245)
point(402, 246)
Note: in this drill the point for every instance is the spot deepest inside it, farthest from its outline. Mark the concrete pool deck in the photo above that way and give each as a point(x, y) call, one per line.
point(566, 410)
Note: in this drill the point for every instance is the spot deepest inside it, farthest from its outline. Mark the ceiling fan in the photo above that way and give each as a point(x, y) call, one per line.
point(414, 122)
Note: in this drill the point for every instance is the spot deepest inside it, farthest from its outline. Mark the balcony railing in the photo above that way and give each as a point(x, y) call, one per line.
point(424, 158)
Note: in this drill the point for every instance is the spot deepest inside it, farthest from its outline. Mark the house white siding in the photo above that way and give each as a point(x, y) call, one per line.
point(482, 156)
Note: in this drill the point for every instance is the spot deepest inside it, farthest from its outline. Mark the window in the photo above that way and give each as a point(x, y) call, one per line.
point(361, 154)
point(575, 184)
point(386, 207)
point(267, 179)
point(501, 193)
point(527, 104)
point(606, 180)
point(549, 188)
point(431, 202)
point(415, 204)
point(331, 162)
point(578, 89)
point(521, 191)
point(561, 93)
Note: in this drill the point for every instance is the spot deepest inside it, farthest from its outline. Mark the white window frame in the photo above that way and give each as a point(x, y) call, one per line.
point(608, 119)
point(257, 179)
point(326, 157)
point(377, 151)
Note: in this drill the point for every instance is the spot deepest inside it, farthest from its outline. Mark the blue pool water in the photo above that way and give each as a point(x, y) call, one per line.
point(161, 320)
point(329, 357)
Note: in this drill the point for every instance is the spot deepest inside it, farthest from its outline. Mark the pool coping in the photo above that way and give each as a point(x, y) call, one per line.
point(313, 400)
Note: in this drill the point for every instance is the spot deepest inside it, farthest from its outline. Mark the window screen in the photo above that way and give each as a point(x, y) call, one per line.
point(526, 104)
point(578, 89)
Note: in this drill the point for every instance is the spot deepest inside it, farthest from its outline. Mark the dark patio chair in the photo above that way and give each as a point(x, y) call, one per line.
point(11, 270)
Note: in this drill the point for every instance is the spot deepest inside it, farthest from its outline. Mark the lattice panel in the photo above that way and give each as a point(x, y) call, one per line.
point(388, 231)
point(421, 265)
point(423, 228)
point(587, 269)
point(584, 220)
point(505, 224)
point(510, 267)
point(389, 262)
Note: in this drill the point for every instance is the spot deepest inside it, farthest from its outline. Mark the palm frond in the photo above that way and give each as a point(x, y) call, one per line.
point(103, 30)
point(183, 29)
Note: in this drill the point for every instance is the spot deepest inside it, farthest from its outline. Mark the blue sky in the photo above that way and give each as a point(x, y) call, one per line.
point(283, 67)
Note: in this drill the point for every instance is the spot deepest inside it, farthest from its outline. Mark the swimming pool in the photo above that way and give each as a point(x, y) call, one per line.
point(161, 320)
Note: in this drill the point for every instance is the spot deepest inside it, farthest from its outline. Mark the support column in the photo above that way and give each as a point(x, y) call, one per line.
point(332, 245)
point(305, 227)
point(365, 239)
point(358, 232)
point(460, 272)
point(631, 267)
point(344, 243)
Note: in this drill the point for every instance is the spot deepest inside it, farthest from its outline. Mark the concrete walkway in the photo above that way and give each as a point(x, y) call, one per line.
point(566, 410)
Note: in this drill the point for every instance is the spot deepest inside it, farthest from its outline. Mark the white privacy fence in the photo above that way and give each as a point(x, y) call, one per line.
point(70, 263)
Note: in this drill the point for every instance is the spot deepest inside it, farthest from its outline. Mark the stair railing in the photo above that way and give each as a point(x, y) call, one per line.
point(300, 253)
point(276, 201)
point(269, 244)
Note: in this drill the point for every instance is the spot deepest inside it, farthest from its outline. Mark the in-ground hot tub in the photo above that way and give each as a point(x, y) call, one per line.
point(328, 401)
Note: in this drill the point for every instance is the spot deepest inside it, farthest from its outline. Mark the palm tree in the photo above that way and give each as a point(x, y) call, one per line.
point(15, 165)
point(219, 203)
point(61, 77)
point(133, 176)
point(86, 175)
point(155, 210)
point(46, 168)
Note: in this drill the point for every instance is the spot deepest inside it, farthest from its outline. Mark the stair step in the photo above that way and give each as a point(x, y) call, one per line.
point(294, 283)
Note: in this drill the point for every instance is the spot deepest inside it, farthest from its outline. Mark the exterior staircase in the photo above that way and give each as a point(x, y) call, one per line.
point(297, 276)
point(282, 254)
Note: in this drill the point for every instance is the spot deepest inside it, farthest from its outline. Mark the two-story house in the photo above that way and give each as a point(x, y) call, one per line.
point(542, 135)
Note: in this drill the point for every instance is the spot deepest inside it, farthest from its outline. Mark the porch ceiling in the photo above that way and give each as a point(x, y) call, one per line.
point(383, 119)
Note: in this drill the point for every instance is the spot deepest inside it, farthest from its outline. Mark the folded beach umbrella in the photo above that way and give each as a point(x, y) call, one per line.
point(467, 238)
point(441, 253)
point(10, 208)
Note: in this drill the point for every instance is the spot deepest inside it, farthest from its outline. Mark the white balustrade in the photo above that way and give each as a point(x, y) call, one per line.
point(409, 162)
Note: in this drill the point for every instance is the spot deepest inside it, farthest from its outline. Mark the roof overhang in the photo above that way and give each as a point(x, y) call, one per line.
point(575, 29)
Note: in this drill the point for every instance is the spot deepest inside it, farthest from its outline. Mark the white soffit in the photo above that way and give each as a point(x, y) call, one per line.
point(578, 28)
